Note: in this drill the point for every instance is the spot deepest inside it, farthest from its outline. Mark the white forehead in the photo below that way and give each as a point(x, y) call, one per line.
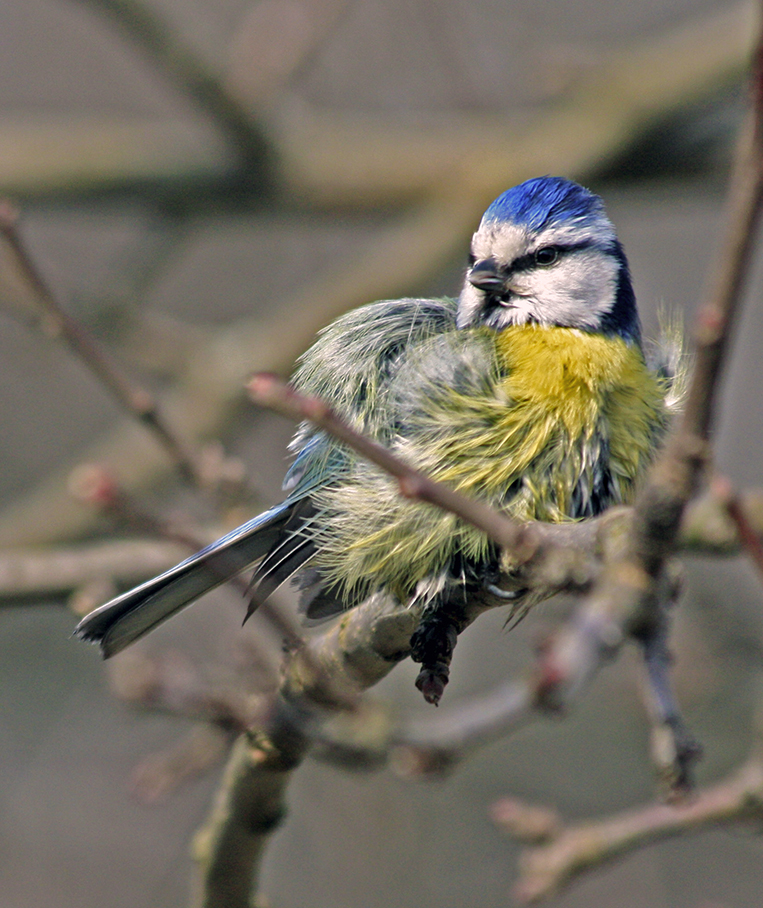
point(506, 241)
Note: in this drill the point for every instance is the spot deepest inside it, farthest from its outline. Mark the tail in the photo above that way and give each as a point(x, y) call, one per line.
point(120, 622)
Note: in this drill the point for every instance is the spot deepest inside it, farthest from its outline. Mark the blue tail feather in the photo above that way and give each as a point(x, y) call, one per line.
point(127, 617)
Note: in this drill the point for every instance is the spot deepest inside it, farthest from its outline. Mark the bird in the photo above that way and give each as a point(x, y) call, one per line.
point(530, 391)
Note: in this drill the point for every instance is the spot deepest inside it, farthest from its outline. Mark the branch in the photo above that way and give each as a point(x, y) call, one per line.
point(274, 42)
point(332, 159)
point(55, 322)
point(185, 68)
point(170, 683)
point(676, 475)
point(158, 775)
point(34, 574)
point(268, 391)
point(563, 853)
point(249, 806)
point(743, 520)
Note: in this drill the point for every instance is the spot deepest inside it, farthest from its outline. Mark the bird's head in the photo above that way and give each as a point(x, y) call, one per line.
point(546, 253)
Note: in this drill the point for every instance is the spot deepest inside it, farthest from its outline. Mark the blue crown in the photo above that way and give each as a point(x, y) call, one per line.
point(544, 201)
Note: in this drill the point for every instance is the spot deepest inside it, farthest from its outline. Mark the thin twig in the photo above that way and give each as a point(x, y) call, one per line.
point(171, 684)
point(269, 391)
point(56, 322)
point(749, 536)
point(160, 774)
point(562, 853)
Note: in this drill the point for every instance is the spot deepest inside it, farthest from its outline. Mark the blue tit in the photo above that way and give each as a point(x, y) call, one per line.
point(530, 391)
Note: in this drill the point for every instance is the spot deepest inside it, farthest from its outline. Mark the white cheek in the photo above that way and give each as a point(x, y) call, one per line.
point(576, 292)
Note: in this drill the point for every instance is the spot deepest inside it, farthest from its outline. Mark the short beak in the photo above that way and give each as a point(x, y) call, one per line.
point(484, 275)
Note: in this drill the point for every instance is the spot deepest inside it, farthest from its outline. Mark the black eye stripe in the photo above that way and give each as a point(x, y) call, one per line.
point(528, 262)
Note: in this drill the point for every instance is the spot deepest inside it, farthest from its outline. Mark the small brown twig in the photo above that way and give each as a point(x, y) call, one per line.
point(674, 750)
point(559, 854)
point(160, 774)
point(55, 322)
point(269, 391)
point(733, 502)
point(171, 683)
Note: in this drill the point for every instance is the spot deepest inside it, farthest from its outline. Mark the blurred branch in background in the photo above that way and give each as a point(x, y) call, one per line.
point(167, 50)
point(328, 158)
point(49, 316)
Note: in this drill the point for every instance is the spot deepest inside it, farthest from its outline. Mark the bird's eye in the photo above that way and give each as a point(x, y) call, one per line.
point(546, 255)
point(472, 259)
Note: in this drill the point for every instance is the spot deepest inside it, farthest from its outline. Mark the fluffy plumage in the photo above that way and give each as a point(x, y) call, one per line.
point(530, 391)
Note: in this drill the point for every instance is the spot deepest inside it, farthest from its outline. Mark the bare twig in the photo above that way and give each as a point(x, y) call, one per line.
point(269, 391)
point(158, 775)
point(275, 40)
point(707, 526)
point(37, 573)
point(563, 853)
point(171, 683)
point(54, 321)
point(674, 749)
point(749, 535)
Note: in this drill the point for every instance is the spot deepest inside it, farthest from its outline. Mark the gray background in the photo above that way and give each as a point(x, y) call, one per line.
point(70, 833)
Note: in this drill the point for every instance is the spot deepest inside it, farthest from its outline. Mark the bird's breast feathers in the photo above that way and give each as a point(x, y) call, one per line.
point(583, 382)
point(548, 423)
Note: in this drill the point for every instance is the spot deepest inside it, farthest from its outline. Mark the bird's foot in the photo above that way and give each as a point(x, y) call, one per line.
point(432, 645)
point(431, 681)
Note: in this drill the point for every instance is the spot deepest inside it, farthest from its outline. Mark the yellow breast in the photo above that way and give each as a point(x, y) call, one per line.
point(580, 389)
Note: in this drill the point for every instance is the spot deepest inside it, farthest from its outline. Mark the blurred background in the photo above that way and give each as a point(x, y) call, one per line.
point(203, 185)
